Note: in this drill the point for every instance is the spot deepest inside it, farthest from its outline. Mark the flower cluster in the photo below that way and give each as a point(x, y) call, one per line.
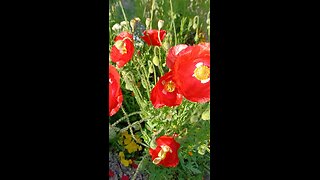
point(189, 76)
point(121, 53)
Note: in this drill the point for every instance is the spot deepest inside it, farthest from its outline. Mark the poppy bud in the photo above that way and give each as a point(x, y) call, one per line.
point(195, 22)
point(155, 60)
point(148, 20)
point(206, 115)
point(116, 27)
point(193, 119)
point(132, 24)
point(160, 24)
point(150, 69)
point(166, 46)
point(124, 23)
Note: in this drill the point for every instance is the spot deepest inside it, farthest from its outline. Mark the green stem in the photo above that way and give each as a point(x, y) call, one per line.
point(119, 120)
point(145, 76)
point(124, 14)
point(130, 127)
point(172, 22)
point(160, 64)
point(139, 165)
point(152, 8)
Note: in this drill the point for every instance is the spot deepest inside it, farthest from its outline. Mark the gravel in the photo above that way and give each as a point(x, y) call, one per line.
point(120, 170)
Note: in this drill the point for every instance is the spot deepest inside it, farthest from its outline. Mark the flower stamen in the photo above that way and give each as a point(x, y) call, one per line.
point(169, 86)
point(202, 73)
point(162, 154)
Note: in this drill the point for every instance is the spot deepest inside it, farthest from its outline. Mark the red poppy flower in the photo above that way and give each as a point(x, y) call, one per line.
point(134, 165)
point(125, 177)
point(173, 53)
point(165, 92)
point(123, 49)
point(166, 152)
point(111, 174)
point(191, 72)
point(151, 37)
point(115, 93)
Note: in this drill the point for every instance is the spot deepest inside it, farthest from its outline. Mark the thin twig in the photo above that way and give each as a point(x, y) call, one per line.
point(139, 165)
point(118, 121)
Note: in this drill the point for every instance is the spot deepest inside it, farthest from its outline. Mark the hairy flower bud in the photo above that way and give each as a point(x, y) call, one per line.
point(160, 24)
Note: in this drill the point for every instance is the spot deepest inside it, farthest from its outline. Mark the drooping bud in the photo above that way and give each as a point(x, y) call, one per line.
point(124, 23)
point(137, 19)
point(132, 24)
point(166, 46)
point(206, 115)
point(160, 24)
point(116, 27)
point(155, 60)
point(148, 20)
point(195, 22)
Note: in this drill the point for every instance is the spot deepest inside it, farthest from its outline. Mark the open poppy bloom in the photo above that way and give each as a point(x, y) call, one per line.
point(191, 72)
point(123, 49)
point(173, 53)
point(166, 152)
point(165, 92)
point(115, 93)
point(151, 37)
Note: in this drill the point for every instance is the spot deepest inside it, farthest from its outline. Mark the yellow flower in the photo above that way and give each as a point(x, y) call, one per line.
point(121, 155)
point(125, 162)
point(190, 153)
point(126, 135)
point(132, 147)
point(127, 141)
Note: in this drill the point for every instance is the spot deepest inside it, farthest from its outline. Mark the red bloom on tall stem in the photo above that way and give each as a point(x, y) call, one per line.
point(115, 93)
point(165, 92)
point(123, 49)
point(166, 152)
point(191, 72)
point(151, 37)
point(173, 53)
